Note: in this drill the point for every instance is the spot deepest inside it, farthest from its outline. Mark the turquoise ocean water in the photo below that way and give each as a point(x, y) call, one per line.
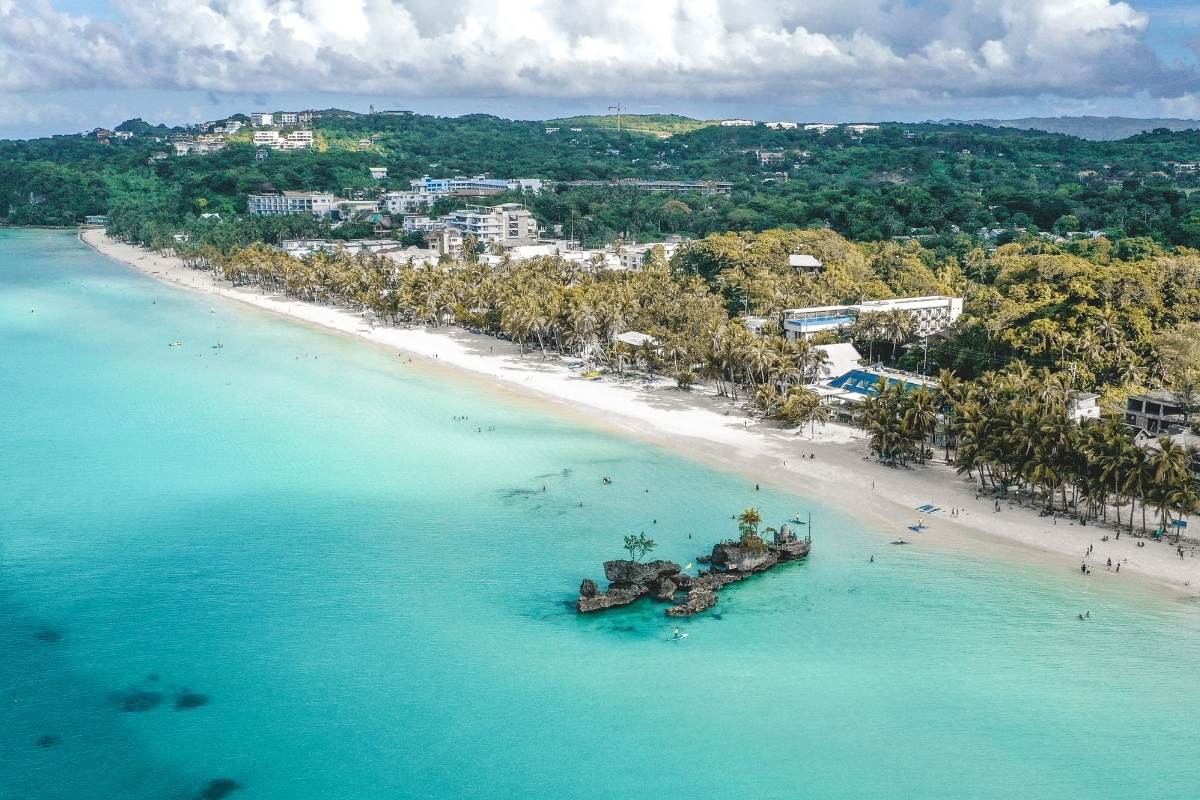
point(355, 596)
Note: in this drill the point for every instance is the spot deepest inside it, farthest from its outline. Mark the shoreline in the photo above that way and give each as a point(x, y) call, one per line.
point(712, 430)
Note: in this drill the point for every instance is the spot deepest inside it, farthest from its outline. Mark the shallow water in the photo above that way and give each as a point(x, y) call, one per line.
point(371, 600)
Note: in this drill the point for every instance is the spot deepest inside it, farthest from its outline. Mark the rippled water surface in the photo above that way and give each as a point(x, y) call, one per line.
point(281, 564)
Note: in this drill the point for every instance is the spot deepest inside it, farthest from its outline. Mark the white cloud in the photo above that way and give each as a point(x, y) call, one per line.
point(789, 50)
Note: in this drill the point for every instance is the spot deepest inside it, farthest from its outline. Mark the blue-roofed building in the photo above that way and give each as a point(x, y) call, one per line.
point(865, 382)
point(844, 392)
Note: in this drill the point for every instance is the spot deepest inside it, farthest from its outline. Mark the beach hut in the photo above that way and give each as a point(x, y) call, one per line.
point(635, 339)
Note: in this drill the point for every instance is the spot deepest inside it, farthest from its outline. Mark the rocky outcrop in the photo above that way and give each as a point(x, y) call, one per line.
point(664, 589)
point(663, 580)
point(630, 572)
point(712, 581)
point(697, 600)
point(590, 599)
point(737, 558)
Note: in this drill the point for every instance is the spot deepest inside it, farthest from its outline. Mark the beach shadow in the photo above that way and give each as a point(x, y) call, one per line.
point(48, 635)
point(217, 789)
point(137, 701)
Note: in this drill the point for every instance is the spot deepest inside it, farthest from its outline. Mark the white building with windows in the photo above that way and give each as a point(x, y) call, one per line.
point(296, 140)
point(737, 123)
point(478, 186)
point(929, 315)
point(633, 256)
point(504, 224)
point(319, 204)
point(260, 119)
point(401, 203)
point(821, 127)
point(1083, 405)
point(418, 223)
point(783, 126)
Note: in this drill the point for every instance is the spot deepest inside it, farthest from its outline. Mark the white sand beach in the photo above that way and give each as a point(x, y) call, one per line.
point(715, 431)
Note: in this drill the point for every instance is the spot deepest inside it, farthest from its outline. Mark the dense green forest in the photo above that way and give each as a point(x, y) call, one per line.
point(941, 183)
point(895, 212)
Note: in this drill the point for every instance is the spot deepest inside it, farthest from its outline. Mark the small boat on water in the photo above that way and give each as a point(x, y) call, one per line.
point(176, 343)
point(217, 346)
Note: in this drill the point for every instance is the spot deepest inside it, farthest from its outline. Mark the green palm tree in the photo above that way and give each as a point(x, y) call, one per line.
point(750, 519)
point(921, 413)
point(898, 326)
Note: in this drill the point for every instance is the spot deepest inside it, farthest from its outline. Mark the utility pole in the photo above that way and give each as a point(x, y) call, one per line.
point(925, 366)
point(618, 108)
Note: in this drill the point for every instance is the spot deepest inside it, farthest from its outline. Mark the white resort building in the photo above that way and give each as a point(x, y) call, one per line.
point(503, 224)
point(318, 204)
point(296, 140)
point(479, 186)
point(930, 315)
point(407, 202)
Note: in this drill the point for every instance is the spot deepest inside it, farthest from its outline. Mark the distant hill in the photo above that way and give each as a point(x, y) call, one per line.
point(657, 124)
point(1097, 128)
point(142, 128)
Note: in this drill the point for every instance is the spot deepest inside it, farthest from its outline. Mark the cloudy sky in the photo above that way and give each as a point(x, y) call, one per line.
point(70, 65)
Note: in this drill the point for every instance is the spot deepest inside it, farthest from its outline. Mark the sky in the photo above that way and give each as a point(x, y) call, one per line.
point(73, 65)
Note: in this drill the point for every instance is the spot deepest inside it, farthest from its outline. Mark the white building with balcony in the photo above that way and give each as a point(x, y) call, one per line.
point(319, 204)
point(504, 224)
point(929, 315)
point(479, 186)
point(261, 119)
point(401, 203)
point(296, 140)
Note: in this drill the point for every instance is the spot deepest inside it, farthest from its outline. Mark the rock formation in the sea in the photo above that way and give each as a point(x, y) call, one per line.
point(48, 635)
point(592, 599)
point(48, 741)
point(697, 600)
point(628, 581)
point(730, 557)
point(730, 561)
point(623, 572)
